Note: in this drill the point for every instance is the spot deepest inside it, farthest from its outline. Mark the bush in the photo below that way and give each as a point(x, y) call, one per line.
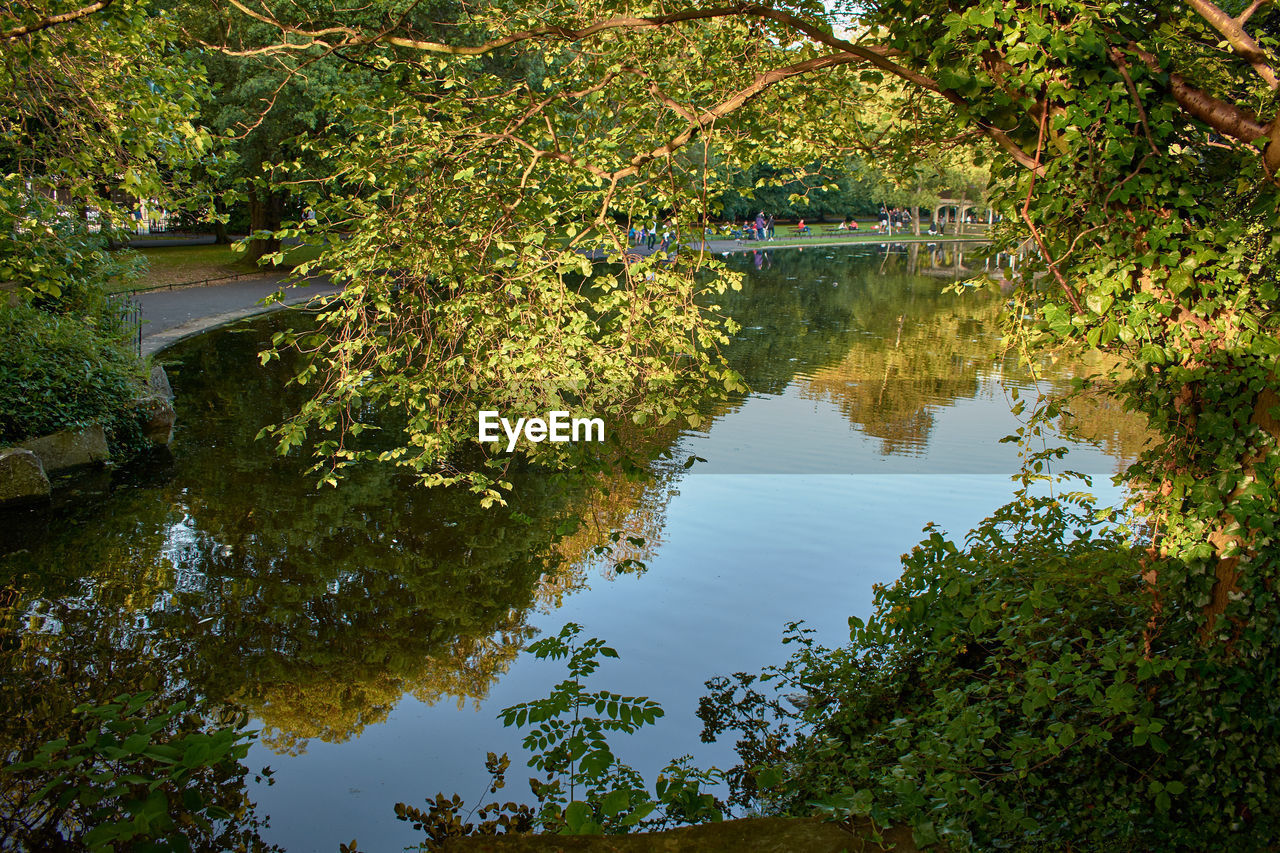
point(1022, 692)
point(64, 371)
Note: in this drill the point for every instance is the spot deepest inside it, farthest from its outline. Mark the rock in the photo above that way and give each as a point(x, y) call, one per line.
point(158, 383)
point(22, 477)
point(155, 408)
point(158, 418)
point(70, 448)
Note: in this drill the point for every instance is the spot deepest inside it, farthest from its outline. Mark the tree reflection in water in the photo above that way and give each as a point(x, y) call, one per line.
point(220, 575)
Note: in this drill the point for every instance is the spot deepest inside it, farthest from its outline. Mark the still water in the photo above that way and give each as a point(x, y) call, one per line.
point(373, 632)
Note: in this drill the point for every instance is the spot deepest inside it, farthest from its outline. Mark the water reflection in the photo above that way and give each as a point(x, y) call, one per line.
point(220, 573)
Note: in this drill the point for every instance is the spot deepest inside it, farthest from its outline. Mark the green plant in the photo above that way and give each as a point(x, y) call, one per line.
point(135, 777)
point(64, 371)
point(1015, 693)
point(585, 789)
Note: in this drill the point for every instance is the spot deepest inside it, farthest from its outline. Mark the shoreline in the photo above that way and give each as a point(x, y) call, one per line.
point(721, 246)
point(170, 333)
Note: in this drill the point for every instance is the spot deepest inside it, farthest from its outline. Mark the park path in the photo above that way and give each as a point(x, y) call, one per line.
point(168, 316)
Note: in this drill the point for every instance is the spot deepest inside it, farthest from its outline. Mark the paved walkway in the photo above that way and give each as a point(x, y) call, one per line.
point(168, 316)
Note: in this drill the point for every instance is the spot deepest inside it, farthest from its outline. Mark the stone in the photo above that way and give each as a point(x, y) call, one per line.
point(155, 408)
point(70, 448)
point(22, 477)
point(158, 383)
point(158, 418)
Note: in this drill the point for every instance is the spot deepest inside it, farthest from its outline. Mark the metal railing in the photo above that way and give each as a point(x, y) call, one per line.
point(129, 314)
point(174, 285)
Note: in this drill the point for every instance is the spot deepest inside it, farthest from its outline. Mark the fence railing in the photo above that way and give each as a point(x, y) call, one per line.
point(174, 285)
point(129, 312)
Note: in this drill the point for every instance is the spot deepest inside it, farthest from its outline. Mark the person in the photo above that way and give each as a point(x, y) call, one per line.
point(760, 225)
point(653, 237)
point(768, 227)
point(801, 228)
point(853, 224)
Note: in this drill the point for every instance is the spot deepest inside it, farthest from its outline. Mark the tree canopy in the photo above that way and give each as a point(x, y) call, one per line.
point(475, 195)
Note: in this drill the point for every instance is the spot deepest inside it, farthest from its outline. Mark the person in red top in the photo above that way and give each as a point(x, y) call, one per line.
point(801, 228)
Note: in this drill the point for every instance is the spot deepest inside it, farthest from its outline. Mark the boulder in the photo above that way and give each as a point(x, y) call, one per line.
point(158, 383)
point(22, 477)
point(155, 408)
point(70, 448)
point(158, 418)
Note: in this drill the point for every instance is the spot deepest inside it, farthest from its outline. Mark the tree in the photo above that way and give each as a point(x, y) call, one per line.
point(95, 108)
point(1132, 156)
point(95, 118)
point(1138, 153)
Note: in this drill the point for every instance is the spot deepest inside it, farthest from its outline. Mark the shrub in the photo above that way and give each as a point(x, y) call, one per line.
point(65, 371)
point(1022, 692)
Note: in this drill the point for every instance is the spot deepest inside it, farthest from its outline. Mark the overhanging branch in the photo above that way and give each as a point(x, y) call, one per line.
point(1241, 42)
point(55, 20)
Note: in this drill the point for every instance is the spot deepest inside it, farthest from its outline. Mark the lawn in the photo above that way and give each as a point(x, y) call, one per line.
point(194, 264)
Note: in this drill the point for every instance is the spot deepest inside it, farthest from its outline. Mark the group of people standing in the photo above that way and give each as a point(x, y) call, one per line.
point(647, 236)
point(897, 217)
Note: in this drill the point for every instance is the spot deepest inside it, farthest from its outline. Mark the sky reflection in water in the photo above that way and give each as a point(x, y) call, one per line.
point(374, 631)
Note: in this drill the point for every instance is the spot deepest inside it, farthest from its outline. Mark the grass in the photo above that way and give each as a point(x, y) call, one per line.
point(193, 264)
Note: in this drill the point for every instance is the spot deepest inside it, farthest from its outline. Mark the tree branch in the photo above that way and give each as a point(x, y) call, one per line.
point(55, 20)
point(1243, 17)
point(1241, 42)
point(1225, 118)
point(877, 55)
point(697, 122)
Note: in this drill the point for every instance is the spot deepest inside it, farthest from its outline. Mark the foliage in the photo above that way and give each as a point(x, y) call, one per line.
point(95, 114)
point(1002, 696)
point(856, 192)
point(137, 778)
point(95, 118)
point(1129, 152)
point(1137, 150)
point(586, 791)
point(571, 746)
point(64, 371)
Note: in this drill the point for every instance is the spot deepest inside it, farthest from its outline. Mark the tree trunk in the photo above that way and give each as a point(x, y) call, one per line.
point(266, 211)
point(915, 207)
point(220, 236)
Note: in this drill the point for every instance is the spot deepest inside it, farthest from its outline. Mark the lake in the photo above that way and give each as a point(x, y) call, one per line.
point(373, 632)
